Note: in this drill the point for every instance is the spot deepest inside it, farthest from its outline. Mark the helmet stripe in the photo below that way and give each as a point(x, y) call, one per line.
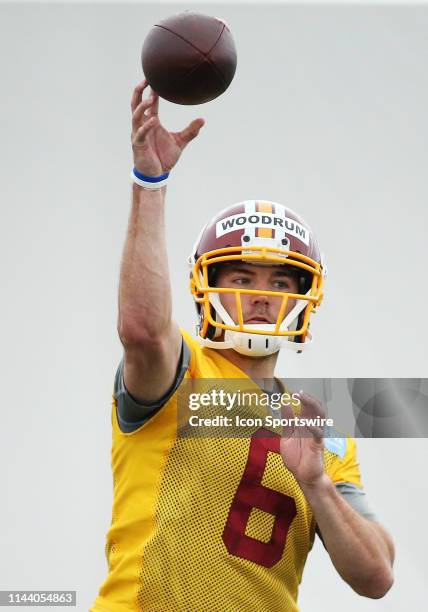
point(250, 208)
point(264, 232)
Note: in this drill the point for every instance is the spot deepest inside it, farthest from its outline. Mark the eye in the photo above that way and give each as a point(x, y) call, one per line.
point(282, 284)
point(241, 280)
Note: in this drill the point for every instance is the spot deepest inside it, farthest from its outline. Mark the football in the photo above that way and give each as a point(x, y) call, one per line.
point(189, 58)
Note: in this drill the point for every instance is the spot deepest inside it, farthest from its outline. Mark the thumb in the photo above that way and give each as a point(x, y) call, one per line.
point(190, 132)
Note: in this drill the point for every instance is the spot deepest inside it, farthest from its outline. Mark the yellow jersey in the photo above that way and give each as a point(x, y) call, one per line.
point(207, 524)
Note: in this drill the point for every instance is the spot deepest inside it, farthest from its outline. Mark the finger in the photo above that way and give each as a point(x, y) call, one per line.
point(155, 106)
point(141, 133)
point(189, 133)
point(292, 441)
point(289, 430)
point(310, 406)
point(287, 411)
point(315, 432)
point(140, 115)
point(287, 418)
point(311, 411)
point(137, 94)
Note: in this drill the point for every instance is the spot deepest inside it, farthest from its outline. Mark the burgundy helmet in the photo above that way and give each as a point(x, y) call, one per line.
point(258, 232)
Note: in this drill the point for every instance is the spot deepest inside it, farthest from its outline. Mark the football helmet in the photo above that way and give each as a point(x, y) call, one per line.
point(262, 233)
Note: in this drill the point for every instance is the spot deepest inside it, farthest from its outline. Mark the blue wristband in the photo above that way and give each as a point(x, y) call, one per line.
point(149, 182)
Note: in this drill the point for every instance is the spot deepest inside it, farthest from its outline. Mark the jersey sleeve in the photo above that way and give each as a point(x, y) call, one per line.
point(341, 460)
point(343, 468)
point(131, 414)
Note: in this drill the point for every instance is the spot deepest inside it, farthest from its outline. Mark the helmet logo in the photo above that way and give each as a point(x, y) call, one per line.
point(263, 221)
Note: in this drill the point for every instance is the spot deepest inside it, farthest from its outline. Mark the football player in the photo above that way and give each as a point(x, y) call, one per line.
point(219, 523)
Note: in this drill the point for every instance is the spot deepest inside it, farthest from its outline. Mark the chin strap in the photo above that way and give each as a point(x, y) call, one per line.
point(256, 345)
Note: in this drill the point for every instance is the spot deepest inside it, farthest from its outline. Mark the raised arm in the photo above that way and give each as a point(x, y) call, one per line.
point(150, 337)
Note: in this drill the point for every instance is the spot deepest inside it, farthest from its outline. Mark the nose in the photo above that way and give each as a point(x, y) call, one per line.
point(260, 299)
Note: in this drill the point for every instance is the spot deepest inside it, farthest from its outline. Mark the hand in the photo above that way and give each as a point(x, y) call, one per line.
point(302, 447)
point(155, 149)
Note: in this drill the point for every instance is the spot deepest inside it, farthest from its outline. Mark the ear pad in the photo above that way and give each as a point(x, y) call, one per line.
point(212, 273)
point(305, 283)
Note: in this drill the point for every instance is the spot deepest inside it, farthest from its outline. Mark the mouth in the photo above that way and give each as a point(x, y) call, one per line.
point(257, 320)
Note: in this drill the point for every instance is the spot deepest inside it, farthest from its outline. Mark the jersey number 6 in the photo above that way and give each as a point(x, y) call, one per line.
point(252, 494)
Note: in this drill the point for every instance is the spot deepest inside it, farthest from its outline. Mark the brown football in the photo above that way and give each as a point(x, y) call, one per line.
point(189, 58)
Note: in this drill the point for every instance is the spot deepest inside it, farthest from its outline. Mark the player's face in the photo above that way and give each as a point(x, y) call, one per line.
point(256, 308)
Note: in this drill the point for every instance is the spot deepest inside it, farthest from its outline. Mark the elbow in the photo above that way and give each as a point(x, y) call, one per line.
point(377, 585)
point(134, 333)
point(140, 336)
